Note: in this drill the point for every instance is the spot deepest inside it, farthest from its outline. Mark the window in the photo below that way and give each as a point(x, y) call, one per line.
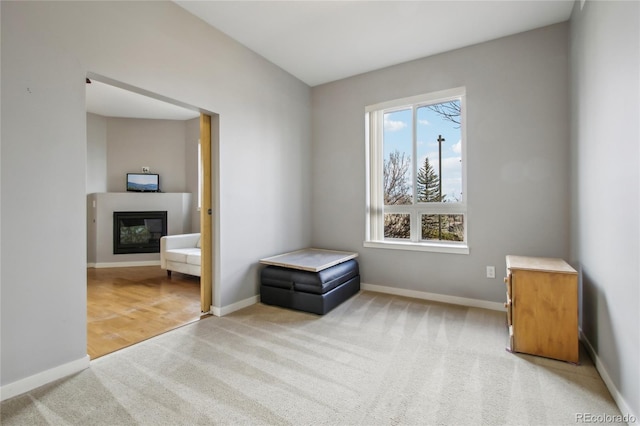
point(416, 173)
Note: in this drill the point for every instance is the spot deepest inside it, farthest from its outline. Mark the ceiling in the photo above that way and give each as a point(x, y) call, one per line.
point(111, 101)
point(323, 41)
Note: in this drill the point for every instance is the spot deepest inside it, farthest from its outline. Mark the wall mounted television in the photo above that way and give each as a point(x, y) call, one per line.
point(143, 182)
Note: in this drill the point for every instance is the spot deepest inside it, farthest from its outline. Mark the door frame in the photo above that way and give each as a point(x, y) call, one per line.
point(210, 168)
point(206, 209)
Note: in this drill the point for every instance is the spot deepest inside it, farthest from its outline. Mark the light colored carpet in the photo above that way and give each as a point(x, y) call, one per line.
point(375, 360)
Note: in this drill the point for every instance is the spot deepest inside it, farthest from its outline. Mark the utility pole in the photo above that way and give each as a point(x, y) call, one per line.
point(440, 140)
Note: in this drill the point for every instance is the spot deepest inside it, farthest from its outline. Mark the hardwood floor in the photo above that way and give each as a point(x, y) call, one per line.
point(128, 305)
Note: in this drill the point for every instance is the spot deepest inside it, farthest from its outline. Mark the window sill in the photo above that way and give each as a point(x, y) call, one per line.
point(431, 247)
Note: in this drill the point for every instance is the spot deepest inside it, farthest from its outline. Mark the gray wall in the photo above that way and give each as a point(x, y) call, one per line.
point(605, 67)
point(517, 161)
point(96, 153)
point(96, 172)
point(191, 169)
point(160, 144)
point(47, 50)
point(133, 143)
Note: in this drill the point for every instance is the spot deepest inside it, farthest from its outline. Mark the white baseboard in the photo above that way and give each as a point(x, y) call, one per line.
point(613, 390)
point(123, 264)
point(225, 310)
point(29, 383)
point(476, 303)
point(454, 300)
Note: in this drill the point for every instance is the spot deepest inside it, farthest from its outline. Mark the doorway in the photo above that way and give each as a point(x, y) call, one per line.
point(169, 300)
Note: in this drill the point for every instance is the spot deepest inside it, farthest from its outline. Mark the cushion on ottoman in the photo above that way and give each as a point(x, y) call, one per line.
point(309, 282)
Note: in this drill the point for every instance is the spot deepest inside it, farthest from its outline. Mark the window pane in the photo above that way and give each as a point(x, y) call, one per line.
point(397, 147)
point(439, 142)
point(397, 226)
point(445, 227)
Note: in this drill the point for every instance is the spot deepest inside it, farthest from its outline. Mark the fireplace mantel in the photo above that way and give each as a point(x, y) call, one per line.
point(100, 208)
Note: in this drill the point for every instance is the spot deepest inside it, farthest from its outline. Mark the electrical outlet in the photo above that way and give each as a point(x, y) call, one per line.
point(145, 169)
point(491, 271)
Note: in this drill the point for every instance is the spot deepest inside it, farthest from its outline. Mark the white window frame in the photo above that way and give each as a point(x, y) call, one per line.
point(375, 208)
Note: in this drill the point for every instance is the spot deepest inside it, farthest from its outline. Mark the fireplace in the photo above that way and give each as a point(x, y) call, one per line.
point(138, 232)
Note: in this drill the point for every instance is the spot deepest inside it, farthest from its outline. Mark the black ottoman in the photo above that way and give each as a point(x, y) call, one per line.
point(315, 292)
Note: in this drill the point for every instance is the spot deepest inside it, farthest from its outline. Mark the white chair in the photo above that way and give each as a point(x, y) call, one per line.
point(180, 253)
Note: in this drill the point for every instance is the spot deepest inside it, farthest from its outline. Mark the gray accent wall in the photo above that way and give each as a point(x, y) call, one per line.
point(262, 184)
point(517, 161)
point(159, 144)
point(117, 146)
point(605, 141)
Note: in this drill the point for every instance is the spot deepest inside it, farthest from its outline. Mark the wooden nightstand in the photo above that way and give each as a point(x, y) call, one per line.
point(542, 307)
